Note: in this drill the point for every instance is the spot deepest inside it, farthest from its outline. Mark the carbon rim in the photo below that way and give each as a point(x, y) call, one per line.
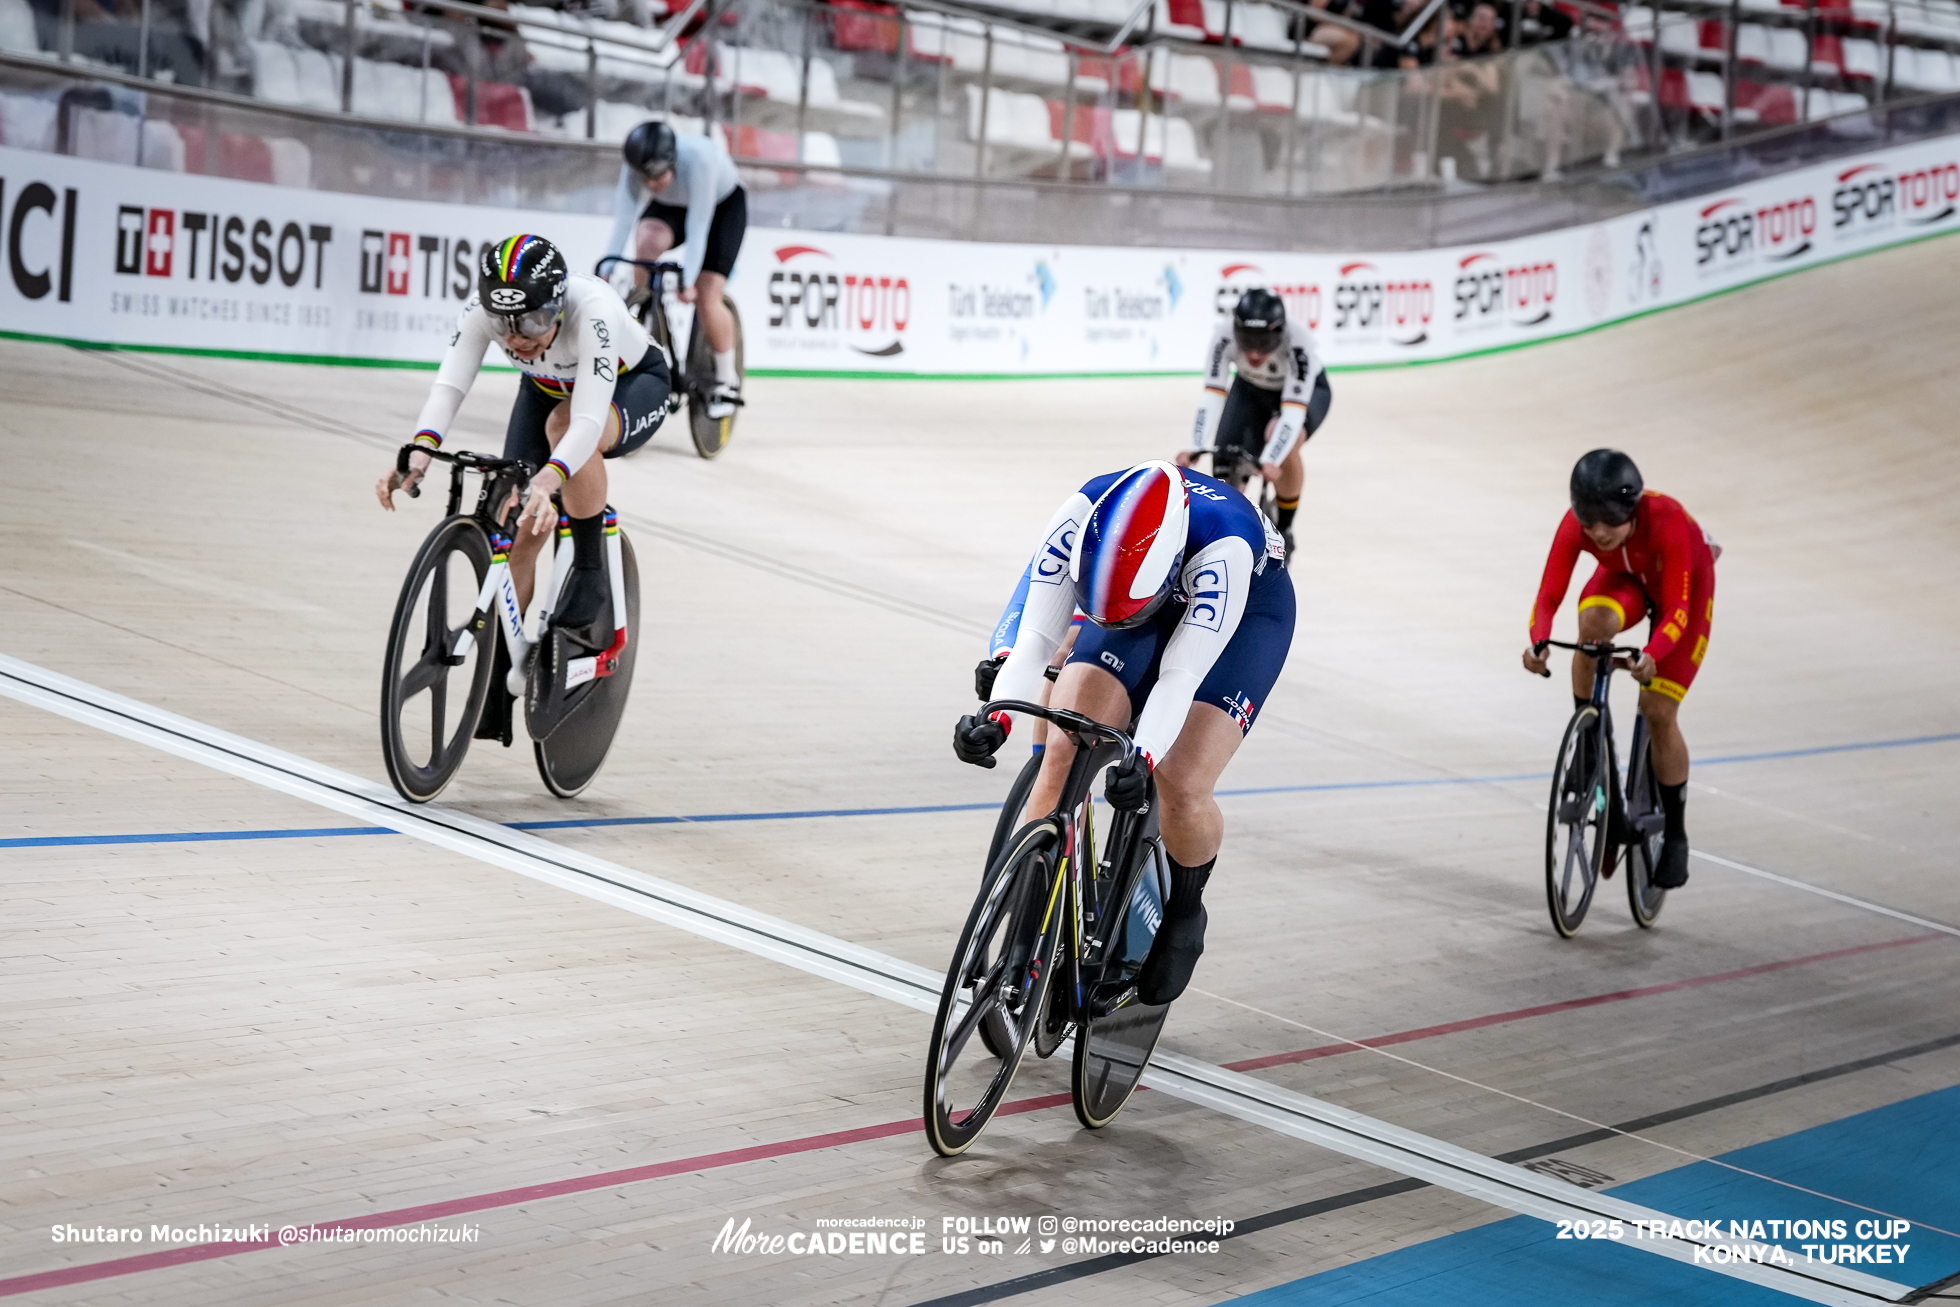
point(425, 724)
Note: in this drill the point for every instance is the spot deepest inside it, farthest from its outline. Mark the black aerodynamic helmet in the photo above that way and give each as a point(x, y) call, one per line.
point(651, 149)
point(1606, 488)
point(1259, 322)
point(521, 283)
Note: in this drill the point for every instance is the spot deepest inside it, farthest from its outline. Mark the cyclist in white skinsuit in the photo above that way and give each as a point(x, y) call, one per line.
point(593, 384)
point(1278, 399)
point(674, 189)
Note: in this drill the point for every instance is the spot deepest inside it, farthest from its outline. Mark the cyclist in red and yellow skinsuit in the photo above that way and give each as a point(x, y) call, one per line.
point(1656, 562)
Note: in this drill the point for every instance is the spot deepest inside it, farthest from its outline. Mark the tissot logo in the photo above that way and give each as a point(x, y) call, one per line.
point(1302, 298)
point(389, 265)
point(1488, 291)
point(819, 306)
point(1731, 232)
point(188, 245)
point(1367, 303)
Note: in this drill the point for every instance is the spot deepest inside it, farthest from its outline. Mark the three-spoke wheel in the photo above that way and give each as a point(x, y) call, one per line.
point(570, 754)
point(996, 988)
point(435, 680)
point(1577, 823)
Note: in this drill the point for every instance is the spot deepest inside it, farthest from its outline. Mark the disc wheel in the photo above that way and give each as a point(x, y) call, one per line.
point(430, 700)
point(1576, 822)
point(570, 757)
point(1114, 1048)
point(711, 435)
point(993, 978)
point(1646, 830)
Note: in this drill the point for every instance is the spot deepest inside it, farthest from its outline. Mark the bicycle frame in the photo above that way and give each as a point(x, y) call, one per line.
point(1097, 745)
point(497, 596)
point(664, 278)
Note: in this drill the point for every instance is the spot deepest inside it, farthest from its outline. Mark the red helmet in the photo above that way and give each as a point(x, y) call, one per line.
point(1127, 556)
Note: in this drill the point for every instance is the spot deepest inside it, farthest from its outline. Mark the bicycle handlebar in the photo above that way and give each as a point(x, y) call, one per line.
point(651, 265)
point(468, 460)
point(1593, 649)
point(1074, 724)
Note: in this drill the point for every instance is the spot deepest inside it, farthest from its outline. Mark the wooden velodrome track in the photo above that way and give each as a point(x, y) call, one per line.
point(321, 1027)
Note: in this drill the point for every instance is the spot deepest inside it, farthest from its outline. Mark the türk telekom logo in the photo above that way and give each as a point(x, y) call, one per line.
point(1872, 197)
point(188, 245)
point(1731, 232)
point(1489, 291)
point(817, 304)
point(1302, 298)
point(1368, 304)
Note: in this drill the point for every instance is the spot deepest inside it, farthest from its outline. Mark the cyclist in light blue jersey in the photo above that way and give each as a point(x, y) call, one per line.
point(685, 189)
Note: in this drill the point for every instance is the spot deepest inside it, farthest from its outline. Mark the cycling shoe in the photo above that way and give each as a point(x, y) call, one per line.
point(1673, 870)
point(1173, 957)
point(581, 601)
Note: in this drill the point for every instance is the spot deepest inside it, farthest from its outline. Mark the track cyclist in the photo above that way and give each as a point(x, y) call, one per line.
point(1655, 561)
point(675, 189)
point(1277, 400)
point(1190, 616)
point(593, 384)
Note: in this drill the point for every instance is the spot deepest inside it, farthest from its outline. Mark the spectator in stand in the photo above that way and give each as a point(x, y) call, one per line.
point(1480, 35)
point(1539, 22)
point(1344, 43)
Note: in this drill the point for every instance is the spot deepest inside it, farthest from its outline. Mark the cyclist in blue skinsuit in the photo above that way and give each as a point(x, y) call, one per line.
point(675, 189)
point(1190, 616)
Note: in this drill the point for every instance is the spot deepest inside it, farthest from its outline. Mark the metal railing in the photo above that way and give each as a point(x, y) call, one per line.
point(1113, 96)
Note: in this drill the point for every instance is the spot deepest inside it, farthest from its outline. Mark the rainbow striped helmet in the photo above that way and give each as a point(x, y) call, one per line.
point(1126, 558)
point(521, 284)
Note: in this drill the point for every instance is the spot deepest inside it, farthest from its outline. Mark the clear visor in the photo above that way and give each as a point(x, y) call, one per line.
point(533, 323)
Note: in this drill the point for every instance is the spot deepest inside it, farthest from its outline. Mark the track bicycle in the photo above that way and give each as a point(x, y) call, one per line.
point(1592, 817)
point(1053, 945)
point(1238, 467)
point(574, 682)
point(667, 319)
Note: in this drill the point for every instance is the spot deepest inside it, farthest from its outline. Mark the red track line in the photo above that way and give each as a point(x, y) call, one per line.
point(812, 1143)
point(1546, 1009)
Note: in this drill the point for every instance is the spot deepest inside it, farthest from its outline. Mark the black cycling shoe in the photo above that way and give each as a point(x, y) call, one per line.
point(1673, 871)
point(580, 602)
point(1286, 538)
point(1173, 957)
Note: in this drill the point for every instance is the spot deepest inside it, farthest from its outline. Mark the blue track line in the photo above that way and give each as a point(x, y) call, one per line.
point(580, 823)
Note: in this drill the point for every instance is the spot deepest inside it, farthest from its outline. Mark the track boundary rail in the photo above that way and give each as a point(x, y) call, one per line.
point(1231, 1093)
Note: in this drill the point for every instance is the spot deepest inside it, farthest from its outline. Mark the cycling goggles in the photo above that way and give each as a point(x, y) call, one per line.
point(532, 323)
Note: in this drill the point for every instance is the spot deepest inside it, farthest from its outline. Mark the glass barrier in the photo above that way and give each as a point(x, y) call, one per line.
point(1076, 93)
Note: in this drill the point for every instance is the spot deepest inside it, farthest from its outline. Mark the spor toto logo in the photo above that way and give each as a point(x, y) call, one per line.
point(1488, 291)
point(868, 311)
point(1302, 298)
point(1731, 232)
point(1872, 196)
point(1368, 303)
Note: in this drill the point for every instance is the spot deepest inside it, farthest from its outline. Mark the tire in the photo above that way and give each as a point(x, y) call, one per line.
point(711, 435)
point(1018, 902)
point(1113, 1049)
point(437, 603)
point(1646, 826)
point(569, 759)
point(1576, 824)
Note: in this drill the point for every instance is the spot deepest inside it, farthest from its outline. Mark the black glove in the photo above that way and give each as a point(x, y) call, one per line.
point(976, 741)
point(984, 674)
point(1129, 784)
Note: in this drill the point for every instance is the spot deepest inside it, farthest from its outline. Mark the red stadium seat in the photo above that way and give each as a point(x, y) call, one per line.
point(244, 157)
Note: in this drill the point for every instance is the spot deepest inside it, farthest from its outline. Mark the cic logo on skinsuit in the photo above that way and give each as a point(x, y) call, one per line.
point(818, 307)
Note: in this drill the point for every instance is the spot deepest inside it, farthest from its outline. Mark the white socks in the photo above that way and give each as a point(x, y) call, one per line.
point(725, 372)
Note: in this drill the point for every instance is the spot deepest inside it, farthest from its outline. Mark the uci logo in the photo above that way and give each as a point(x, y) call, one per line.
point(507, 299)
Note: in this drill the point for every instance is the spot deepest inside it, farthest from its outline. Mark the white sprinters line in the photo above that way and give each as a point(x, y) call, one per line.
point(1808, 888)
point(1232, 1093)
